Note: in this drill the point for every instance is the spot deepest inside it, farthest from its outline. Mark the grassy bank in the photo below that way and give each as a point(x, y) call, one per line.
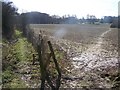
point(17, 64)
point(15, 53)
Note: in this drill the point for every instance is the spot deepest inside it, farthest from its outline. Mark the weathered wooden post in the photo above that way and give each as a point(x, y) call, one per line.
point(41, 65)
point(44, 60)
point(39, 49)
point(58, 81)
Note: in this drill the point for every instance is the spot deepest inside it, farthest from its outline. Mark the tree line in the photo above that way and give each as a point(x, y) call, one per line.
point(12, 19)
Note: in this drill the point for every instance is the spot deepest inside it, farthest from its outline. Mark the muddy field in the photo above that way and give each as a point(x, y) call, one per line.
point(92, 50)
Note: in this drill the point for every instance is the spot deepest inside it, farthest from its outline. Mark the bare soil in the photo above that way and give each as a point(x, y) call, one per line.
point(91, 49)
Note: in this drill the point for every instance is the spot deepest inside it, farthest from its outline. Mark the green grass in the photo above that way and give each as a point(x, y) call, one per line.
point(18, 34)
point(11, 80)
point(23, 48)
point(17, 56)
point(20, 51)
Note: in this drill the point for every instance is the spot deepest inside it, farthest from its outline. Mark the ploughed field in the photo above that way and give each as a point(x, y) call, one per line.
point(92, 50)
point(76, 33)
point(75, 38)
point(72, 37)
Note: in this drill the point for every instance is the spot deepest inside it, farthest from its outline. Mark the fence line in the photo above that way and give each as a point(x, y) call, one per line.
point(45, 52)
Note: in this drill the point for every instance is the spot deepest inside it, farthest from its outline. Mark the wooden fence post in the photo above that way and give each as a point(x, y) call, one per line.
point(33, 59)
point(44, 59)
point(40, 43)
point(58, 81)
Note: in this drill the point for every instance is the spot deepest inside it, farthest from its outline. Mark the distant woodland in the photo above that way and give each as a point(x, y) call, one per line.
point(11, 18)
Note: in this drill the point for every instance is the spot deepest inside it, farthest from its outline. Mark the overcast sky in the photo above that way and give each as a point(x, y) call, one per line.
point(81, 8)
